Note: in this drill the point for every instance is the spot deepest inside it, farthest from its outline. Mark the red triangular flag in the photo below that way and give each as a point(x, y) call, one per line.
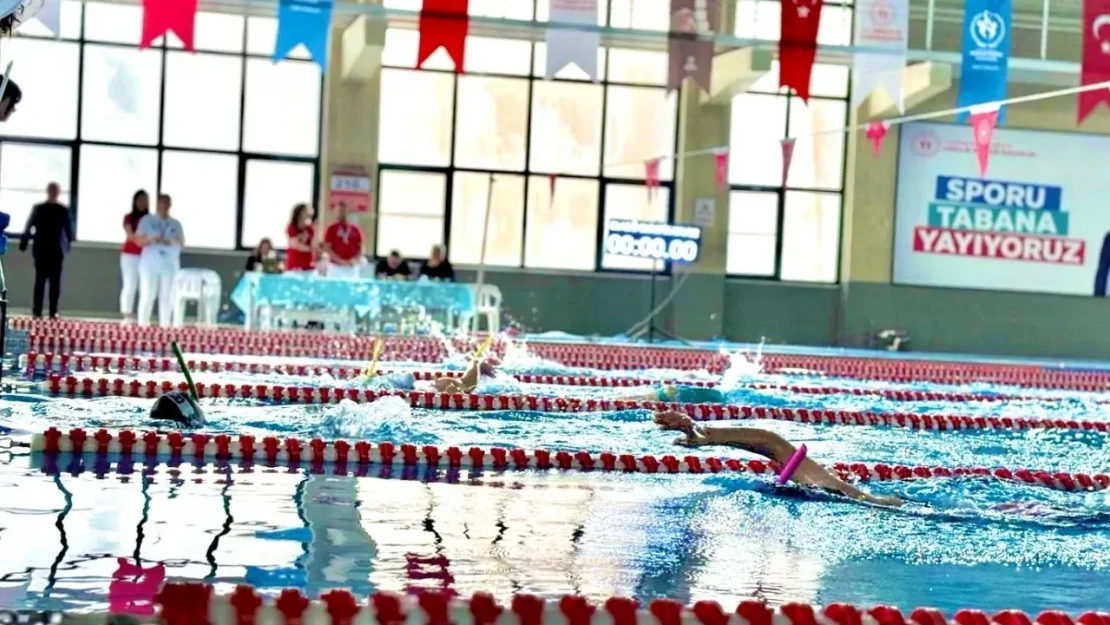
point(444, 23)
point(651, 176)
point(551, 178)
point(982, 131)
point(787, 156)
point(799, 21)
point(876, 132)
point(1094, 66)
point(720, 160)
point(162, 16)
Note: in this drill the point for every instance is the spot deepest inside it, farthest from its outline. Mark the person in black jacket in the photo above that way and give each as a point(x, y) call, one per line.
point(1103, 269)
point(437, 267)
point(53, 234)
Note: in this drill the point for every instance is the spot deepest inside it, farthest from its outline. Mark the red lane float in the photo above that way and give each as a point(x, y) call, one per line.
point(195, 603)
point(66, 363)
point(65, 336)
point(272, 450)
point(102, 387)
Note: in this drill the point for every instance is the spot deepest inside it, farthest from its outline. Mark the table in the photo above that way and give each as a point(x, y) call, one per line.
point(366, 297)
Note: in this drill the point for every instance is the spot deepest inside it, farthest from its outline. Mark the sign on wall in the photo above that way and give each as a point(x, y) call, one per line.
point(350, 184)
point(1040, 222)
point(654, 240)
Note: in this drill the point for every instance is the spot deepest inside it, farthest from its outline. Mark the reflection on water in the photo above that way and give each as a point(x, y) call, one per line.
point(64, 528)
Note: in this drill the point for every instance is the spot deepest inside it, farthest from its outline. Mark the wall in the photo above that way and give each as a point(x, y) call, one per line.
point(968, 321)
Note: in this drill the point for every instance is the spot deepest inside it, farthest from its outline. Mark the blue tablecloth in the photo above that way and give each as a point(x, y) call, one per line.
point(365, 296)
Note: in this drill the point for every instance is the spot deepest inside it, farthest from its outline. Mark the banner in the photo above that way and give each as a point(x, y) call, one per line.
point(350, 184)
point(444, 23)
point(1095, 67)
point(162, 16)
point(882, 25)
point(568, 45)
point(800, 20)
point(986, 52)
point(304, 22)
point(690, 47)
point(1037, 223)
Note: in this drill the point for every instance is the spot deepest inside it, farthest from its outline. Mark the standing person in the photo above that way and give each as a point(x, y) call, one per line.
point(162, 238)
point(437, 267)
point(53, 232)
point(343, 244)
point(299, 235)
point(129, 254)
point(392, 266)
point(11, 96)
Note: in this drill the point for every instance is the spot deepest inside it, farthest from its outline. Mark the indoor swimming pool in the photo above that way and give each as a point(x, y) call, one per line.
point(82, 527)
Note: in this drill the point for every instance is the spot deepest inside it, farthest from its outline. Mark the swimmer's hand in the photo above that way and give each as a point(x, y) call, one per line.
point(695, 436)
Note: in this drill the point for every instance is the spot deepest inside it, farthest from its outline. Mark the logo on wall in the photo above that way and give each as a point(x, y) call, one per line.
point(988, 30)
point(999, 220)
point(926, 143)
point(882, 13)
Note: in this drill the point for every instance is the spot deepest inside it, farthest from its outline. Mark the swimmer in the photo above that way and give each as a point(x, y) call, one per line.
point(767, 444)
point(682, 394)
point(404, 381)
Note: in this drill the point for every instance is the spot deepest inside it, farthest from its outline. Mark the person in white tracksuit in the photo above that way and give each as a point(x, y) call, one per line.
point(162, 238)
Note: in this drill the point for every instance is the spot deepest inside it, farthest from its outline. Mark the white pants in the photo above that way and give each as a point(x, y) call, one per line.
point(129, 271)
point(156, 276)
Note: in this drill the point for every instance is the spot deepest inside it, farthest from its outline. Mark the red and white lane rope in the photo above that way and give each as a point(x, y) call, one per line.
point(199, 604)
point(60, 336)
point(273, 450)
point(79, 363)
point(103, 387)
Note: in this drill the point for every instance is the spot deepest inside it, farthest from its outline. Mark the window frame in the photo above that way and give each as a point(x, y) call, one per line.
point(162, 48)
point(603, 181)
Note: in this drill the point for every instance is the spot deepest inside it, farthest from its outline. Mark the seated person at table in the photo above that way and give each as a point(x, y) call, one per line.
point(392, 267)
point(299, 233)
point(343, 245)
point(681, 394)
point(450, 385)
point(263, 258)
point(437, 267)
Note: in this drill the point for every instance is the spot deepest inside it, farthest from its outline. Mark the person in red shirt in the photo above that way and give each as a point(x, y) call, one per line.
point(129, 254)
point(299, 235)
point(343, 244)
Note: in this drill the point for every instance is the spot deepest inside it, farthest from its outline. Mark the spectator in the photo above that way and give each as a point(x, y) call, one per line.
point(11, 96)
point(262, 257)
point(437, 267)
point(129, 254)
point(343, 244)
point(162, 238)
point(392, 267)
point(299, 235)
point(53, 232)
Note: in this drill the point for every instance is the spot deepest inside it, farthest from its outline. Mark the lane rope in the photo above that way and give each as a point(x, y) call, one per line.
point(149, 389)
point(291, 451)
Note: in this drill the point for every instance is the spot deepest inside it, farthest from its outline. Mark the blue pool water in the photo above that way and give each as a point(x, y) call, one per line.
point(688, 537)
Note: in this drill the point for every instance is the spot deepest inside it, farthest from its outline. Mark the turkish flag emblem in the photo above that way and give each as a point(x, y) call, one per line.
point(1095, 67)
point(800, 20)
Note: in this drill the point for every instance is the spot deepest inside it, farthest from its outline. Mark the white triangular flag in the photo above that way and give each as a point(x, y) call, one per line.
point(51, 16)
point(565, 44)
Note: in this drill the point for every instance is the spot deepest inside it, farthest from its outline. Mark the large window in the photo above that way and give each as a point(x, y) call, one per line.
point(232, 136)
point(791, 231)
point(550, 160)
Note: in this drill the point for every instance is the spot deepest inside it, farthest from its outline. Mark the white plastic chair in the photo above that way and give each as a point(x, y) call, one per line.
point(202, 286)
point(487, 303)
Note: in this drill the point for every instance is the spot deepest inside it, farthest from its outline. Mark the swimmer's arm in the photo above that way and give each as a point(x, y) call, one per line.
point(470, 378)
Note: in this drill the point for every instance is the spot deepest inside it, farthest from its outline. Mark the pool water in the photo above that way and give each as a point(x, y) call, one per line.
point(958, 543)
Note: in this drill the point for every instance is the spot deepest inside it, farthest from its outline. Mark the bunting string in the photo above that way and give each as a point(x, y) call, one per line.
point(903, 119)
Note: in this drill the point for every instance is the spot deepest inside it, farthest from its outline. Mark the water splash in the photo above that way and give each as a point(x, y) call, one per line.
point(743, 366)
point(384, 419)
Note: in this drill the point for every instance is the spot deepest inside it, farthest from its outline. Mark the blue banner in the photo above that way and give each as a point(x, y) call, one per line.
point(307, 22)
point(986, 54)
